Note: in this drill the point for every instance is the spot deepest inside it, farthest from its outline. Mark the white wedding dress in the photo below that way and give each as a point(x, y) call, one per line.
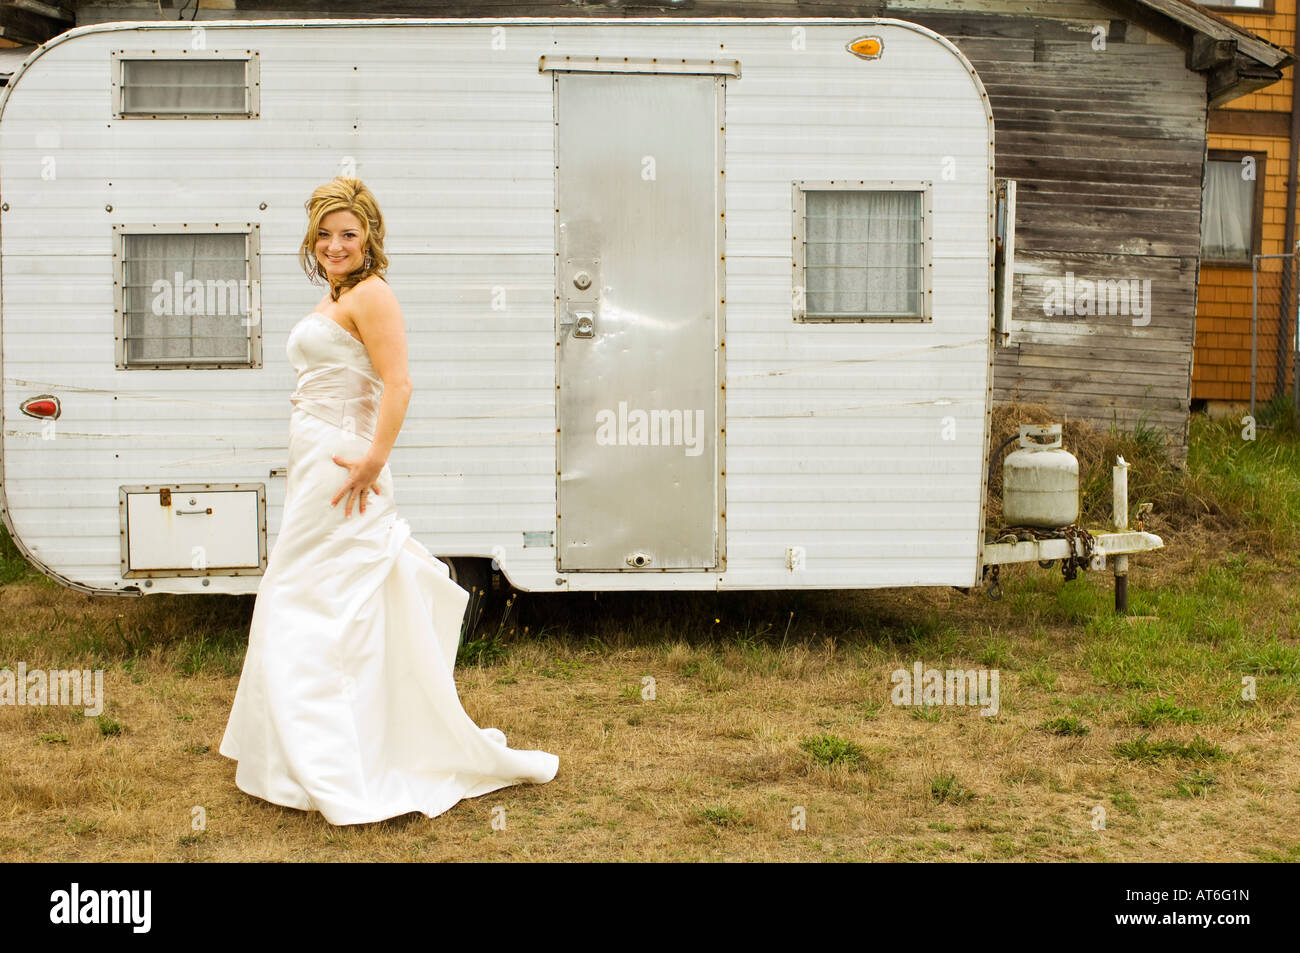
point(347, 704)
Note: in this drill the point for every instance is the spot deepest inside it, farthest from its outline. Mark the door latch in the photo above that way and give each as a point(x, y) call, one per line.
point(585, 326)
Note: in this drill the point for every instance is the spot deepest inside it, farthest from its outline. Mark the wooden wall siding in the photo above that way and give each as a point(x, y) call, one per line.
point(94, 11)
point(1108, 150)
point(1221, 371)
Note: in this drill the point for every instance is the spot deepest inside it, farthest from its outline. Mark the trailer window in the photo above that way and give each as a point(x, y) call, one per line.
point(187, 298)
point(197, 84)
point(861, 252)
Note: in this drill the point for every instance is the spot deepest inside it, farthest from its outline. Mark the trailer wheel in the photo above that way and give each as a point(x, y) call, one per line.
point(471, 574)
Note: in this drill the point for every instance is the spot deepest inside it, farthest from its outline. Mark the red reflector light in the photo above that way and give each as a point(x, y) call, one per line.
point(45, 407)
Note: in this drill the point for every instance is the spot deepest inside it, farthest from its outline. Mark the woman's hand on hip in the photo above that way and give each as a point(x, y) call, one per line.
point(363, 475)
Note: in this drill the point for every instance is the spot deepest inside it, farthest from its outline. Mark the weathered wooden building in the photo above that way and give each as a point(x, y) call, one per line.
point(1101, 112)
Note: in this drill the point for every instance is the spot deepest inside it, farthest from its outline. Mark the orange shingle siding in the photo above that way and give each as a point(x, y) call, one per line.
point(1279, 28)
point(1221, 367)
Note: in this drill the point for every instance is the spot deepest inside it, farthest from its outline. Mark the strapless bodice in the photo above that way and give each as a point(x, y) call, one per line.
point(336, 381)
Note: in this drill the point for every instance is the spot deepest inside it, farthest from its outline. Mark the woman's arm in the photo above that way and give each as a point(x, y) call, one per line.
point(378, 318)
point(374, 310)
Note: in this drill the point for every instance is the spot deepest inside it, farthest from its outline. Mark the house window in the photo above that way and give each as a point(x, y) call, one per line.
point(861, 251)
point(187, 296)
point(1242, 6)
point(186, 84)
point(1232, 204)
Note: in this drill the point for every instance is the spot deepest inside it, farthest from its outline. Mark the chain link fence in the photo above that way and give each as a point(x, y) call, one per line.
point(1273, 328)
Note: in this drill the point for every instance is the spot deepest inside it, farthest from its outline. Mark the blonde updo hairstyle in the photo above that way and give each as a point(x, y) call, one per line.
point(348, 194)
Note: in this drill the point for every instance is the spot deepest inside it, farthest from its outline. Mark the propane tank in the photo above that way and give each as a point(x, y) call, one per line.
point(1040, 481)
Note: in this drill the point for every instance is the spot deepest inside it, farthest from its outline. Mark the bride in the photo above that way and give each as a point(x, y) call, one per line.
point(347, 704)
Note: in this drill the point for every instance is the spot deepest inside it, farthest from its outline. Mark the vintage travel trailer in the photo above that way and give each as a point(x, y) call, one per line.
point(690, 304)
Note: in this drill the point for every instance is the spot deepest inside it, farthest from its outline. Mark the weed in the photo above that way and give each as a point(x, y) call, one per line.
point(925, 712)
point(1196, 784)
point(1142, 749)
point(108, 727)
point(720, 816)
point(488, 650)
point(832, 750)
point(1163, 710)
point(946, 789)
point(1125, 801)
point(1067, 725)
point(1039, 675)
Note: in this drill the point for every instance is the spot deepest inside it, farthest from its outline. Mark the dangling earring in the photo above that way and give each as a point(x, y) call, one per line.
point(367, 264)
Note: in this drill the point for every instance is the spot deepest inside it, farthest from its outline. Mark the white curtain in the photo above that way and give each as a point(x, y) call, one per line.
point(179, 86)
point(1227, 211)
point(163, 325)
point(863, 253)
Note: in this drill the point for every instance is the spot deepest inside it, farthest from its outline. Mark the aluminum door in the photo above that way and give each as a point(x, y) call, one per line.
point(639, 205)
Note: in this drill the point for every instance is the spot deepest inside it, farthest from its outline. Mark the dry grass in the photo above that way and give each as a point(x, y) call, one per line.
point(1145, 722)
point(714, 765)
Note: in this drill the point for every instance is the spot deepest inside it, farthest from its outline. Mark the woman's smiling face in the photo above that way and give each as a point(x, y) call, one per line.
point(339, 244)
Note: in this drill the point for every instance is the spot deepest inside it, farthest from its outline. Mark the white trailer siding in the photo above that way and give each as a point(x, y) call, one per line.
point(863, 444)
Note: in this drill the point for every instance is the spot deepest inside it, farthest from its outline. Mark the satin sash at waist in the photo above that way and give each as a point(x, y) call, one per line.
point(340, 395)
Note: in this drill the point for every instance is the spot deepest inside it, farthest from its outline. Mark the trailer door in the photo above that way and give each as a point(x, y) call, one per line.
point(639, 242)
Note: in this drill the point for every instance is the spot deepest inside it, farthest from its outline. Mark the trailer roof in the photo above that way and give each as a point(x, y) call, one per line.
point(1236, 60)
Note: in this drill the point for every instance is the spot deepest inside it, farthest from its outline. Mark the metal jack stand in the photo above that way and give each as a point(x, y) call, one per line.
point(1119, 502)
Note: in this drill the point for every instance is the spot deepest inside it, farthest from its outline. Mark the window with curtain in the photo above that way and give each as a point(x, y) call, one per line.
point(864, 254)
point(1228, 210)
point(187, 299)
point(197, 86)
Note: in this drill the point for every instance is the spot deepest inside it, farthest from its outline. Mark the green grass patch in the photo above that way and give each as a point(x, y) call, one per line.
point(1143, 749)
point(946, 789)
point(722, 816)
point(1165, 711)
point(108, 727)
point(1066, 725)
point(1196, 784)
point(1270, 658)
point(488, 650)
point(832, 750)
point(1040, 676)
point(217, 654)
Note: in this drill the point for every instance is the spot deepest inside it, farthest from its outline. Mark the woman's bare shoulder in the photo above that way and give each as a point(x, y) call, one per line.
point(370, 294)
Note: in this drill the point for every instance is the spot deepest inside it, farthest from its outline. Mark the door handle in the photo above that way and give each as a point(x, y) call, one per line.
point(584, 325)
